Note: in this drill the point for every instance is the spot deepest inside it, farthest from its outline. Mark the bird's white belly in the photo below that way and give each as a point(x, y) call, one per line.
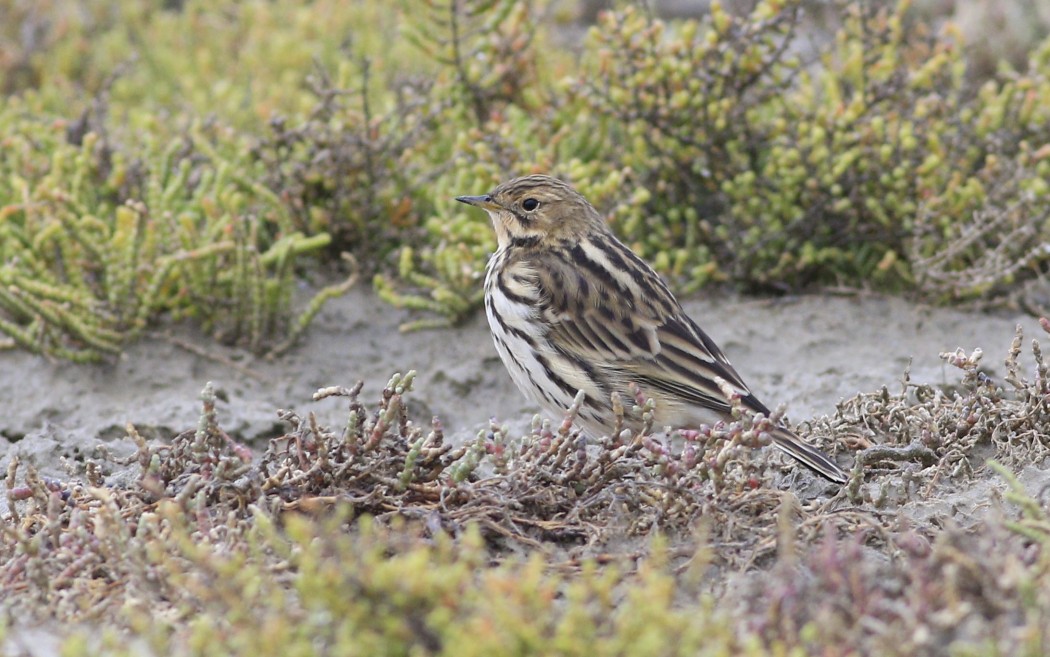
point(529, 364)
point(518, 356)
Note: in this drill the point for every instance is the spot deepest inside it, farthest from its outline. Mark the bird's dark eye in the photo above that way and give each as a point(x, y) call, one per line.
point(530, 204)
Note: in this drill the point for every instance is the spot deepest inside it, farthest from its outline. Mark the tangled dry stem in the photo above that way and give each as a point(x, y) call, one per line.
point(87, 548)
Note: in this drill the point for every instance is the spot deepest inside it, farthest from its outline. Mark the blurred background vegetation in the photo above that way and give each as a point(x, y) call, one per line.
point(237, 163)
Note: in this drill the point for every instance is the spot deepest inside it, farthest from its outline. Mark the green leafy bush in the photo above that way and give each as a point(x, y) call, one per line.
point(744, 149)
point(738, 149)
point(96, 241)
point(855, 162)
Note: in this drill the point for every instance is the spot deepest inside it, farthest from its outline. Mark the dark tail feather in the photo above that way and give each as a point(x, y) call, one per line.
point(809, 456)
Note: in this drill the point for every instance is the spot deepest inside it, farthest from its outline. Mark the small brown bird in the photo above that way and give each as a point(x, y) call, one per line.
point(571, 308)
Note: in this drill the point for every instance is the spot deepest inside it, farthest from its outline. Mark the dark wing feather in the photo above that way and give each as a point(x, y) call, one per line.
point(605, 306)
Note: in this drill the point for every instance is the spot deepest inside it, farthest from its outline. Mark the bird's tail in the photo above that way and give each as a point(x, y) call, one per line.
point(808, 455)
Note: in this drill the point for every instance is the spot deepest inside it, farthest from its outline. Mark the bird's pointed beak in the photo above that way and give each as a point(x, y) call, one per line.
point(484, 202)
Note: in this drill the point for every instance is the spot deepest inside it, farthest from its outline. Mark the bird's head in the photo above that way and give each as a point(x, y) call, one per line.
point(537, 209)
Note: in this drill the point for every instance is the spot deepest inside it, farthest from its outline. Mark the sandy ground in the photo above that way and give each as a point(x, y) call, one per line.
point(807, 352)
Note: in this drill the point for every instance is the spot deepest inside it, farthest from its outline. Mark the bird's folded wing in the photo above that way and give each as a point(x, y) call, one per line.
point(647, 340)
